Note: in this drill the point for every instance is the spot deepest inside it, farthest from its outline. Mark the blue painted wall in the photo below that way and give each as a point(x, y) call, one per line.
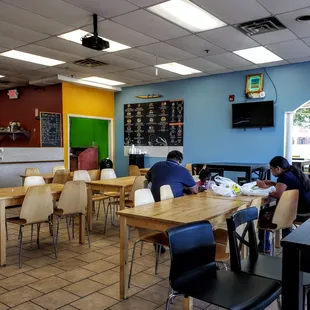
point(208, 135)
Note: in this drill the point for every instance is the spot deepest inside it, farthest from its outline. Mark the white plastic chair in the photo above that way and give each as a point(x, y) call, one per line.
point(81, 175)
point(166, 192)
point(107, 174)
point(55, 168)
point(34, 181)
point(32, 171)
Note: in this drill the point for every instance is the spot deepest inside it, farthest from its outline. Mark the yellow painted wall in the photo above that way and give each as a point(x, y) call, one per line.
point(84, 101)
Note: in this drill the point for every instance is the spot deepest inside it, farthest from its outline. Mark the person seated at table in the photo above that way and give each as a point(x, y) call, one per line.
point(170, 172)
point(289, 177)
point(204, 180)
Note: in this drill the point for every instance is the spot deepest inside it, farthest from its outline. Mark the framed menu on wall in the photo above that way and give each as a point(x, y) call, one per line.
point(150, 124)
point(51, 134)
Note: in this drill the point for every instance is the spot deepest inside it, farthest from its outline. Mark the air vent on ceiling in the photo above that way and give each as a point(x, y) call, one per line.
point(90, 63)
point(261, 26)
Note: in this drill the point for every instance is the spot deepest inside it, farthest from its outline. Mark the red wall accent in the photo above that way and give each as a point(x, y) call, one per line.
point(46, 99)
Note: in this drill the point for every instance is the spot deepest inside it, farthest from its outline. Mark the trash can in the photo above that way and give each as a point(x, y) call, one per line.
point(106, 164)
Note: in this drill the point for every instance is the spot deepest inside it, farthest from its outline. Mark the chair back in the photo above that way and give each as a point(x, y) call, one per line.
point(134, 171)
point(189, 167)
point(81, 175)
point(139, 183)
point(166, 192)
point(73, 199)
point(61, 176)
point(94, 174)
point(107, 174)
point(38, 205)
point(192, 251)
point(55, 168)
point(32, 171)
point(34, 181)
point(143, 196)
point(286, 210)
point(246, 238)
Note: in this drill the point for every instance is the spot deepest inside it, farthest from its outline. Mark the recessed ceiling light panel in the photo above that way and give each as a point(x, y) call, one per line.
point(100, 80)
point(178, 68)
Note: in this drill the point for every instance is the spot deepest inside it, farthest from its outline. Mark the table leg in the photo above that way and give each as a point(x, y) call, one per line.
point(123, 289)
point(188, 303)
point(121, 198)
point(277, 239)
point(23, 180)
point(2, 234)
point(54, 221)
point(82, 229)
point(90, 208)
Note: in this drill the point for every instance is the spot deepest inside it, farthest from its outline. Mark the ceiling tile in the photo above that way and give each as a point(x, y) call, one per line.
point(10, 43)
point(26, 19)
point(12, 64)
point(166, 51)
point(234, 11)
point(275, 37)
point(293, 61)
point(48, 52)
point(121, 34)
point(69, 47)
point(202, 64)
point(290, 49)
point(161, 73)
point(105, 8)
point(281, 6)
point(57, 10)
point(146, 3)
point(151, 25)
point(301, 29)
point(274, 64)
point(119, 61)
point(196, 45)
point(137, 75)
point(229, 60)
point(141, 56)
point(118, 77)
point(229, 38)
point(245, 68)
point(20, 33)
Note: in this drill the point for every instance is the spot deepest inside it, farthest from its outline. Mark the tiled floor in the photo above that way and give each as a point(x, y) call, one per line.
point(82, 277)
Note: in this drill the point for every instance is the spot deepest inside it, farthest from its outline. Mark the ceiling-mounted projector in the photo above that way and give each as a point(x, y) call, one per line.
point(94, 41)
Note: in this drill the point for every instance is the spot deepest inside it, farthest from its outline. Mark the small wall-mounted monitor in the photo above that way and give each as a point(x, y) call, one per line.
point(253, 115)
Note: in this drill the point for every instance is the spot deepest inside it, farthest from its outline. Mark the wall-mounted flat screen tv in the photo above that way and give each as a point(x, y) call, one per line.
point(253, 115)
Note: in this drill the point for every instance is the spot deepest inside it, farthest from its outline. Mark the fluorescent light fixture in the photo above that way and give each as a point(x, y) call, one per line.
point(258, 55)
point(2, 76)
point(187, 15)
point(76, 35)
point(178, 68)
point(32, 58)
point(100, 80)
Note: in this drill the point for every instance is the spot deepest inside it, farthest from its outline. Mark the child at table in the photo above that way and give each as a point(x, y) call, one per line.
point(204, 182)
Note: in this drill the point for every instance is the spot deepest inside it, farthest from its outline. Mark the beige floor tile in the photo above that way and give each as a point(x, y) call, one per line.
point(69, 264)
point(145, 261)
point(134, 303)
point(3, 307)
point(35, 253)
point(28, 306)
point(103, 243)
point(144, 280)
point(41, 262)
point(55, 300)
point(49, 284)
point(67, 307)
point(94, 301)
point(91, 257)
point(84, 287)
point(107, 277)
point(135, 269)
point(99, 266)
point(65, 254)
point(113, 291)
point(84, 248)
point(19, 296)
point(108, 251)
point(164, 283)
point(162, 272)
point(76, 275)
point(2, 277)
point(156, 294)
point(44, 272)
point(113, 259)
point(12, 251)
point(16, 281)
point(14, 259)
point(10, 271)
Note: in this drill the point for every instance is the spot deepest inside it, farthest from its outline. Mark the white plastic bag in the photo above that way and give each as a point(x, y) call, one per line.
point(226, 187)
point(251, 189)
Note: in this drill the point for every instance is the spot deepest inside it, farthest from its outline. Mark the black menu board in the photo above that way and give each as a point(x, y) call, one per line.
point(50, 129)
point(154, 123)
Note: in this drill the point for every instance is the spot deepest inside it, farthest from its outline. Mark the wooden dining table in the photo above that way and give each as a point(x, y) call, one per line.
point(117, 185)
point(144, 171)
point(14, 196)
point(170, 213)
point(48, 177)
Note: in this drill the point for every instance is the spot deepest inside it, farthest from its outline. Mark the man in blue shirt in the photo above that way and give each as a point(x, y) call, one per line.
point(170, 172)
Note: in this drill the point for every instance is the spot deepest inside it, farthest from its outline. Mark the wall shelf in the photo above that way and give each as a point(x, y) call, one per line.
point(14, 135)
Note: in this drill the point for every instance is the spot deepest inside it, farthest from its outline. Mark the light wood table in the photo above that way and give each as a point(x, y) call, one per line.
point(14, 196)
point(169, 213)
point(118, 185)
point(144, 171)
point(48, 177)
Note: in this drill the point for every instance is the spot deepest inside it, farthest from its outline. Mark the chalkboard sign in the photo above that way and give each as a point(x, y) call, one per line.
point(154, 123)
point(51, 135)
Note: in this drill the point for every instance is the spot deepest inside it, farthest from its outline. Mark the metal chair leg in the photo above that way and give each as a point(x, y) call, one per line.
point(87, 229)
point(31, 238)
point(132, 260)
point(72, 216)
point(98, 210)
point(158, 251)
point(106, 211)
point(54, 240)
point(38, 235)
point(142, 243)
point(6, 230)
point(20, 246)
point(68, 223)
point(170, 299)
point(57, 230)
